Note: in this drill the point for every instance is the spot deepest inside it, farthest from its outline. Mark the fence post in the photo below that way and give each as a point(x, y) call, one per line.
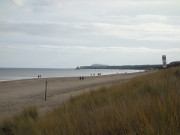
point(45, 90)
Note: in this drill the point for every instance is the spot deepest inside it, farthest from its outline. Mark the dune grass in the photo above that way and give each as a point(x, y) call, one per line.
point(147, 105)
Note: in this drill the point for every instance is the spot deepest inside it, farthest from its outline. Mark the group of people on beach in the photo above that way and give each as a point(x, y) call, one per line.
point(39, 76)
point(98, 74)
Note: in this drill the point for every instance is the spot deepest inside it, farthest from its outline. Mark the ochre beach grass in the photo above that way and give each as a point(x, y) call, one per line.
point(145, 105)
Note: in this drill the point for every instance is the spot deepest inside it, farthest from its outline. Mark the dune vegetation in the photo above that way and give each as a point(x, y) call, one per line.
point(146, 105)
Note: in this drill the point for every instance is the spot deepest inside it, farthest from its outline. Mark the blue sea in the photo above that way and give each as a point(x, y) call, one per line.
point(7, 74)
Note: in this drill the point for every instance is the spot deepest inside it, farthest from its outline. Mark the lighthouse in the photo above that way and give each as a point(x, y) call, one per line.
point(164, 61)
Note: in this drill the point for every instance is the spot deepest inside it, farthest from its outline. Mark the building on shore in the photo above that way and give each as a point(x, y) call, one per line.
point(164, 61)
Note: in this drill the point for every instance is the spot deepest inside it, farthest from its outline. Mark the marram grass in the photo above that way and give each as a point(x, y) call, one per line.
point(147, 105)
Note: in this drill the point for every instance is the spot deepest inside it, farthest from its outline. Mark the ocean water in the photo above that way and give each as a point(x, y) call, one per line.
point(7, 74)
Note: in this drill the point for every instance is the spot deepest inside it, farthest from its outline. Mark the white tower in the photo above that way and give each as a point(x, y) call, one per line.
point(164, 61)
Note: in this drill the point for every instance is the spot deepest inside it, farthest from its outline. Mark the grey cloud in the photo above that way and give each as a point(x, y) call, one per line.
point(111, 49)
point(147, 31)
point(45, 28)
point(37, 3)
point(97, 34)
point(42, 33)
point(100, 7)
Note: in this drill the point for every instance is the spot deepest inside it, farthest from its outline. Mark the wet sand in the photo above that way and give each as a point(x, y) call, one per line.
point(14, 95)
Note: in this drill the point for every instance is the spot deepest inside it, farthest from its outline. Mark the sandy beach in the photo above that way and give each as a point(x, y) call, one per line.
point(14, 95)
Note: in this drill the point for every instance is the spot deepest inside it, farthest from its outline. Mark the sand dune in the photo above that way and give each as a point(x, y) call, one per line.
point(14, 95)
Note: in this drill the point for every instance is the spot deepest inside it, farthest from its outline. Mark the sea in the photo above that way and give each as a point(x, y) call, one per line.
point(7, 74)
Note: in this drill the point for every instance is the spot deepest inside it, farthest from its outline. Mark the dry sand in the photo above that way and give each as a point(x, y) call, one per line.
point(14, 95)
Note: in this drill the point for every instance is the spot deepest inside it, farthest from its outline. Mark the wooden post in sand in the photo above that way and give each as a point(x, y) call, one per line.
point(45, 90)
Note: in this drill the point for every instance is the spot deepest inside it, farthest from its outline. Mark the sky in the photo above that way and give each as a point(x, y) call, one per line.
point(71, 33)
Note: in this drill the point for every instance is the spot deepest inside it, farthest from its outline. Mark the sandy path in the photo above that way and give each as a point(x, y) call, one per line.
point(14, 95)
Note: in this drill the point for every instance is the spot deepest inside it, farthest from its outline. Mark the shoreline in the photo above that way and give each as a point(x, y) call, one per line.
point(49, 73)
point(17, 94)
point(23, 79)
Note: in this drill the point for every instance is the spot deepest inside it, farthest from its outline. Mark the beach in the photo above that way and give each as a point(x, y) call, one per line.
point(15, 95)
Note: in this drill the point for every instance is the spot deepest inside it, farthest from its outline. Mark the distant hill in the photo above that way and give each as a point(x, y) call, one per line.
point(138, 67)
point(98, 65)
point(173, 64)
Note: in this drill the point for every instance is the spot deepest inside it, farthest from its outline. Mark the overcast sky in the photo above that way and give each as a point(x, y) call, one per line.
point(70, 33)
